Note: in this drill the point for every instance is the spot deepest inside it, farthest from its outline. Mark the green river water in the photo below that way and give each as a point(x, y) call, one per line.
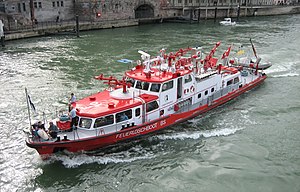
point(249, 144)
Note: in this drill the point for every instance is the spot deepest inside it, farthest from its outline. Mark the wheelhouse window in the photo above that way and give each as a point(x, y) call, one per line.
point(85, 123)
point(155, 87)
point(124, 115)
point(138, 85)
point(229, 82)
point(145, 86)
point(151, 106)
point(102, 121)
point(131, 81)
point(137, 112)
point(167, 85)
point(187, 78)
point(199, 95)
point(236, 80)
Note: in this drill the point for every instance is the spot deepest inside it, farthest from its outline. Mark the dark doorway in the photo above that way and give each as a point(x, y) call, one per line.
point(144, 11)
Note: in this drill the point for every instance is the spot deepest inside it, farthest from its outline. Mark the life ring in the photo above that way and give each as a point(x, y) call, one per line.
point(192, 89)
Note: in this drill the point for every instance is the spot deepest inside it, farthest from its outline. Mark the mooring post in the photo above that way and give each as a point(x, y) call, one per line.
point(2, 34)
point(77, 26)
point(216, 9)
point(216, 14)
point(191, 15)
point(238, 13)
point(199, 15)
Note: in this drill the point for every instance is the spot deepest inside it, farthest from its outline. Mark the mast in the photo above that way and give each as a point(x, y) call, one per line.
point(28, 106)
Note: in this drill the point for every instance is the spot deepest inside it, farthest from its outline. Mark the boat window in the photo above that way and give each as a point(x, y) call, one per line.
point(151, 106)
point(145, 86)
point(155, 87)
point(138, 85)
point(206, 92)
point(131, 81)
point(236, 80)
point(85, 123)
point(167, 85)
point(123, 116)
point(102, 121)
point(199, 95)
point(212, 90)
point(229, 82)
point(137, 112)
point(187, 78)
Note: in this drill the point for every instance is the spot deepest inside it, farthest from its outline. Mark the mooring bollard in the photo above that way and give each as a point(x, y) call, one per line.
point(2, 33)
point(77, 26)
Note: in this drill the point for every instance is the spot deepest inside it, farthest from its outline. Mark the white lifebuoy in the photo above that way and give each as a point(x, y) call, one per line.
point(192, 89)
point(42, 134)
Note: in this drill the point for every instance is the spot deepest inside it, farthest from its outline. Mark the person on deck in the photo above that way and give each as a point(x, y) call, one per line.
point(72, 100)
point(52, 130)
point(73, 117)
point(123, 117)
point(40, 125)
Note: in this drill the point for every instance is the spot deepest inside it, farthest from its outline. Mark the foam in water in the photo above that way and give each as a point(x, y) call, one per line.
point(72, 161)
point(199, 134)
point(286, 75)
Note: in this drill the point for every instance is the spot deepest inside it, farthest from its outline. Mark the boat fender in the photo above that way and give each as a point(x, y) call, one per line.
point(192, 89)
point(42, 134)
point(176, 107)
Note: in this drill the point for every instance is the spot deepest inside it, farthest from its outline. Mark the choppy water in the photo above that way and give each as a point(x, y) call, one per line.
point(249, 144)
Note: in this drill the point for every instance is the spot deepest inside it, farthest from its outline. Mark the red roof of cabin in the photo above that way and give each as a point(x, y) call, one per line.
point(157, 76)
point(102, 104)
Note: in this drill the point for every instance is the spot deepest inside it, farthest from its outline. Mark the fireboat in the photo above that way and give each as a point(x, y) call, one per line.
point(156, 93)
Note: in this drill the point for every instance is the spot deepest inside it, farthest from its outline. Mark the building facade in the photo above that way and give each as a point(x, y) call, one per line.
point(30, 12)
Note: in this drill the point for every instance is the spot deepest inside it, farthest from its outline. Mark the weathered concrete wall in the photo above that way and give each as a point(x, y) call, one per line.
point(69, 28)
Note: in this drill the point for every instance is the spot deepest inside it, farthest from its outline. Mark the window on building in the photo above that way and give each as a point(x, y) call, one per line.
point(40, 4)
point(179, 1)
point(53, 3)
point(57, 3)
point(19, 7)
point(35, 4)
point(190, 1)
point(24, 7)
point(61, 3)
